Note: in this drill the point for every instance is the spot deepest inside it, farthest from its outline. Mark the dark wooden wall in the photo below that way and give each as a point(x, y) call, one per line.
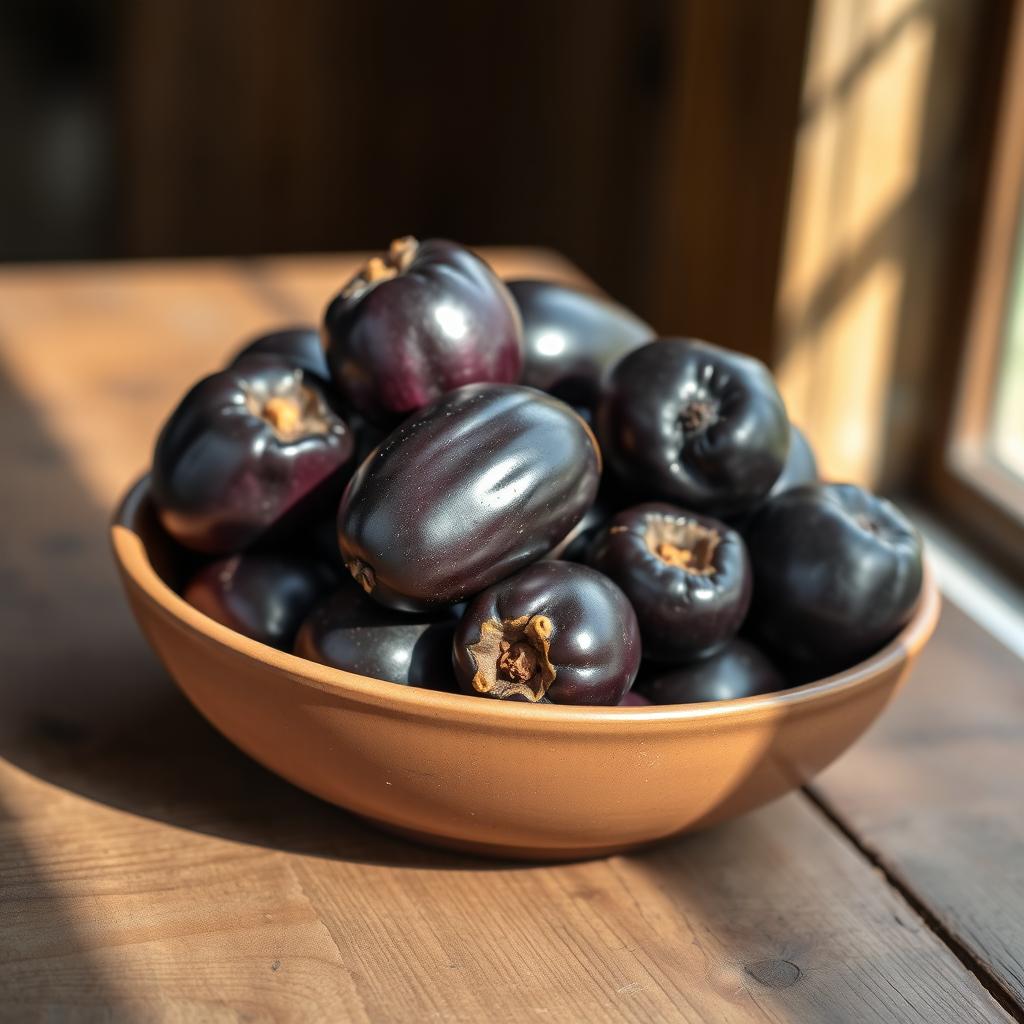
point(649, 140)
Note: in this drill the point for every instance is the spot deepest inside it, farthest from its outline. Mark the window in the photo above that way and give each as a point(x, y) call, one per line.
point(980, 478)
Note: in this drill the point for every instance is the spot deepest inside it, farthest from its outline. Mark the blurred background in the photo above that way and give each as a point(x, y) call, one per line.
point(831, 185)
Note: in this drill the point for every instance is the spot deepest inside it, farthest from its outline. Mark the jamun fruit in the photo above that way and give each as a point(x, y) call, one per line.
point(481, 483)
point(837, 572)
point(686, 575)
point(421, 319)
point(555, 630)
point(572, 338)
point(695, 424)
point(248, 450)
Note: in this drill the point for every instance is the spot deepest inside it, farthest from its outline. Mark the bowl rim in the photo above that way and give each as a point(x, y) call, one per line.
point(133, 560)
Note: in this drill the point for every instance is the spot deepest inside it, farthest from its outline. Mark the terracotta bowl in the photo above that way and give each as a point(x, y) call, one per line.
point(513, 780)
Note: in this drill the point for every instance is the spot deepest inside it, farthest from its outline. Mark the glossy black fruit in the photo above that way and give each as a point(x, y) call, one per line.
point(573, 338)
point(299, 347)
point(634, 700)
point(478, 485)
point(351, 632)
point(422, 319)
point(801, 466)
point(694, 424)
point(555, 630)
point(687, 576)
point(837, 572)
point(738, 670)
point(254, 448)
point(261, 595)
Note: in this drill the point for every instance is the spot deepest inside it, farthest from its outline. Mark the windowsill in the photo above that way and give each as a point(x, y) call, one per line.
point(973, 584)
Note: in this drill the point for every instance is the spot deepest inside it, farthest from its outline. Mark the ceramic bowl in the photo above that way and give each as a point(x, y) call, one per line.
point(506, 779)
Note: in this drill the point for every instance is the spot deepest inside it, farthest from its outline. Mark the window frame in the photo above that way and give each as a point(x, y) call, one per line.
point(968, 484)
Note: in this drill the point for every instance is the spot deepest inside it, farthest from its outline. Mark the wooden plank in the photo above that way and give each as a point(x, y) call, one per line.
point(935, 793)
point(149, 871)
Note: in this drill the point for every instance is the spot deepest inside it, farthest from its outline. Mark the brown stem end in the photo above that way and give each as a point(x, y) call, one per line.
point(513, 658)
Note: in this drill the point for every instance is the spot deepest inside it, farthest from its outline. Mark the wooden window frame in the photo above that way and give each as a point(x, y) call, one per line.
point(967, 482)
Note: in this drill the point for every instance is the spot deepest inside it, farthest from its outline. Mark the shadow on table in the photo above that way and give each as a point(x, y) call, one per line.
point(85, 705)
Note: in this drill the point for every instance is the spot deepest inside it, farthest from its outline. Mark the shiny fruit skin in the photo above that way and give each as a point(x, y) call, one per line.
point(264, 596)
point(837, 572)
point(737, 670)
point(349, 631)
point(801, 465)
point(801, 468)
point(634, 700)
point(573, 338)
point(484, 481)
point(224, 475)
point(683, 614)
point(694, 424)
point(300, 347)
point(444, 320)
point(592, 642)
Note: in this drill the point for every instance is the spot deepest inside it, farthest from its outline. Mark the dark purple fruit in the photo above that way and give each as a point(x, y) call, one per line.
point(634, 700)
point(694, 424)
point(837, 572)
point(573, 338)
point(687, 576)
point(299, 347)
point(261, 595)
point(738, 670)
point(466, 492)
point(422, 319)
point(801, 466)
point(351, 632)
point(253, 448)
point(555, 630)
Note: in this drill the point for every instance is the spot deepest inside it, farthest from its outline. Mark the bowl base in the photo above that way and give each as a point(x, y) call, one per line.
point(499, 851)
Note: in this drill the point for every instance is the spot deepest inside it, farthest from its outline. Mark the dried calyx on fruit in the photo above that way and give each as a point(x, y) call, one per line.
point(395, 261)
point(695, 424)
point(513, 657)
point(419, 320)
point(556, 632)
point(253, 449)
point(687, 576)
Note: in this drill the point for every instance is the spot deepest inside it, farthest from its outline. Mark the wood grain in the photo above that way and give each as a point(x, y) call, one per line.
point(935, 793)
point(150, 872)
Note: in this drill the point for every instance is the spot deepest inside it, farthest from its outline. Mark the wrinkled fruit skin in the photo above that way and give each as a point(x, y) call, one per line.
point(261, 595)
point(351, 632)
point(572, 338)
point(837, 573)
point(443, 321)
point(294, 346)
point(224, 475)
point(694, 424)
point(475, 487)
point(738, 670)
point(683, 614)
point(591, 637)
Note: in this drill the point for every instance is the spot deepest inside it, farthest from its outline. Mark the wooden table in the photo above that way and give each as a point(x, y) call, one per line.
point(151, 872)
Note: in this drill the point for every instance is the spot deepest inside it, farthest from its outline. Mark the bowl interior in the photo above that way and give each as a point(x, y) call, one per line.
point(159, 566)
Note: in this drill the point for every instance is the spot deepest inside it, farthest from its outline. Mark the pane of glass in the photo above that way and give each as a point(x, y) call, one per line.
point(1008, 417)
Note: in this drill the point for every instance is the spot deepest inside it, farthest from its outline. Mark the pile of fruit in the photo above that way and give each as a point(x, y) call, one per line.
point(517, 491)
